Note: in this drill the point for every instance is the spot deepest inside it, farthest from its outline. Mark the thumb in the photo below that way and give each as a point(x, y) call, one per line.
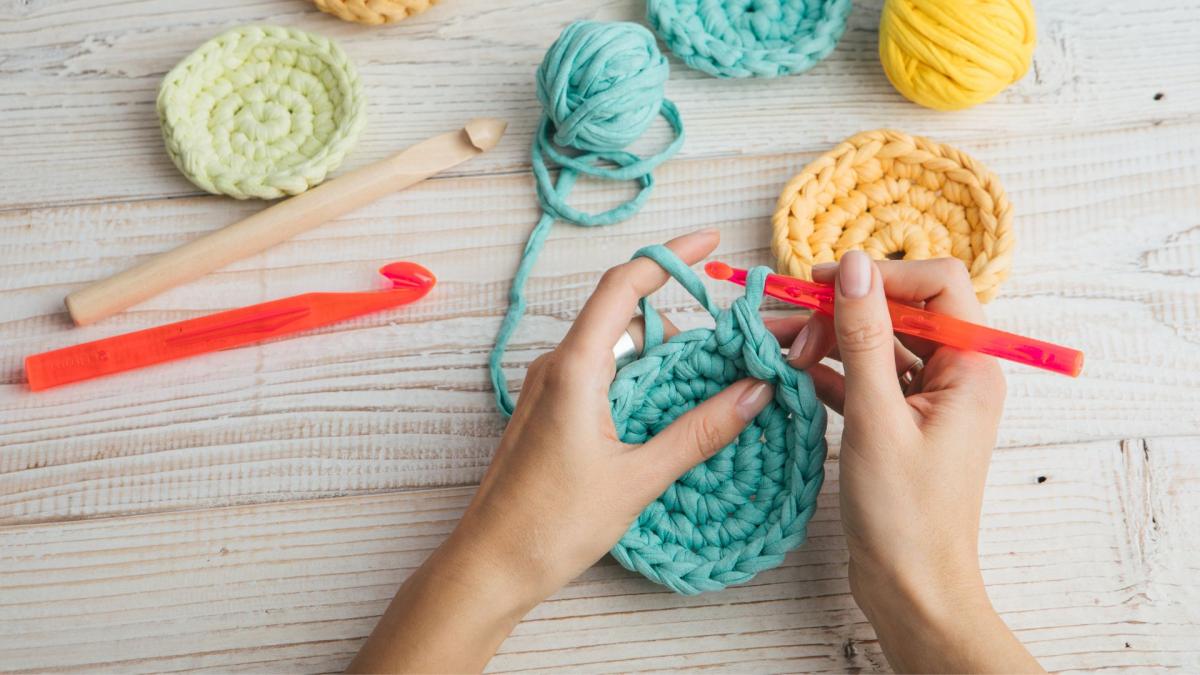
point(864, 336)
point(703, 431)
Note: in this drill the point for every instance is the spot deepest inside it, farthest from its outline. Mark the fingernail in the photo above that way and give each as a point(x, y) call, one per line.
point(798, 344)
point(707, 230)
point(821, 267)
point(854, 274)
point(753, 400)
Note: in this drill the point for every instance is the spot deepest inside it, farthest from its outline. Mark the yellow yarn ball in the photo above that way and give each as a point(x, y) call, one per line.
point(953, 54)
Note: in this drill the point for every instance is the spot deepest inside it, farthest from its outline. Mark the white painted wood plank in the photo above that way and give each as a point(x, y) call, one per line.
point(80, 77)
point(1105, 259)
point(1093, 567)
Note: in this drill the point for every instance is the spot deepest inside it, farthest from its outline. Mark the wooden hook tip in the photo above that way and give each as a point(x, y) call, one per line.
point(485, 132)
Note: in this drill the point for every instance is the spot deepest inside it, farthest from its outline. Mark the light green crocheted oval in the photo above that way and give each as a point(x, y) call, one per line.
point(261, 111)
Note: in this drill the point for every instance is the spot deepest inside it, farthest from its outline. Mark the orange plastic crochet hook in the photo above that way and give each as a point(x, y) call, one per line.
point(223, 330)
point(931, 326)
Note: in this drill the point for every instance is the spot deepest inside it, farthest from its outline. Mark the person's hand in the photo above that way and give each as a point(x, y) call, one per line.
point(561, 489)
point(913, 462)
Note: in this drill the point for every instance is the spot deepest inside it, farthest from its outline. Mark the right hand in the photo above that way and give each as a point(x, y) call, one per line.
point(913, 463)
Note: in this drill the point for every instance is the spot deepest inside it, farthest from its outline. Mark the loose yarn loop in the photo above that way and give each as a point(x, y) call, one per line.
point(261, 111)
point(950, 54)
point(373, 12)
point(891, 194)
point(600, 86)
point(742, 510)
point(749, 38)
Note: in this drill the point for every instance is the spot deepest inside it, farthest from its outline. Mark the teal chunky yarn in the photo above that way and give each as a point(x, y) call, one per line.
point(749, 38)
point(600, 86)
point(741, 511)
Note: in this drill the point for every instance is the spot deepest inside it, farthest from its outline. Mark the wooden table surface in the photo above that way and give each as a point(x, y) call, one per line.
point(254, 510)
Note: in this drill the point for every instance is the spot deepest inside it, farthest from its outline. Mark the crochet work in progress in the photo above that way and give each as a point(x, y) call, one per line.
point(261, 111)
point(749, 38)
point(600, 86)
point(373, 12)
point(950, 54)
point(895, 196)
point(742, 510)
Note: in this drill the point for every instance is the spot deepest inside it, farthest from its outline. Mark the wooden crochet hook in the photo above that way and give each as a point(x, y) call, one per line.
point(283, 220)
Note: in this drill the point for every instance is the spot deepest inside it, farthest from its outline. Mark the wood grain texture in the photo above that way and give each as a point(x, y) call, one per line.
point(162, 520)
point(401, 400)
point(91, 68)
point(1088, 551)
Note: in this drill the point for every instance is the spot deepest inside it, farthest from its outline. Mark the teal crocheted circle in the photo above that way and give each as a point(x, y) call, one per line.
point(742, 510)
point(749, 38)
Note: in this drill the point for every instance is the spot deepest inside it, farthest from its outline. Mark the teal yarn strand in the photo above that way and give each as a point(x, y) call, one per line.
point(749, 38)
point(742, 510)
point(600, 86)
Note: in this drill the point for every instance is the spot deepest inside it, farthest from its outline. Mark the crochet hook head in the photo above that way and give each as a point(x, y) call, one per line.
point(796, 291)
point(408, 275)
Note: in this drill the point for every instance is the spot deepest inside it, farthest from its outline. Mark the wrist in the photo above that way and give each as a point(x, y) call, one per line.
point(495, 583)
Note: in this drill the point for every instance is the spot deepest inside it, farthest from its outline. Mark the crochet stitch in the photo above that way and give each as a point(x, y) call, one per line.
point(600, 86)
point(261, 111)
point(742, 510)
point(895, 195)
point(749, 38)
point(373, 12)
point(950, 54)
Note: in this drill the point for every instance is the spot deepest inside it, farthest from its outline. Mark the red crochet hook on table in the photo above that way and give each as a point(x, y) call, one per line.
point(223, 330)
point(920, 323)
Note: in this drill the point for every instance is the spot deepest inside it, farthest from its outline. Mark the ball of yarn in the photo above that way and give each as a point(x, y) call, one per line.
point(749, 38)
point(951, 54)
point(261, 111)
point(373, 12)
point(742, 510)
point(601, 84)
point(895, 196)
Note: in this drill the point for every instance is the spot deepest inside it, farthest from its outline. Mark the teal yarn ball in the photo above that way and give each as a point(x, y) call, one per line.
point(600, 86)
point(749, 38)
point(742, 510)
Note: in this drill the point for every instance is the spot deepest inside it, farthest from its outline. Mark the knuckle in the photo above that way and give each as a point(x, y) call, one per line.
point(613, 276)
point(559, 372)
point(707, 437)
point(954, 271)
point(862, 335)
point(537, 366)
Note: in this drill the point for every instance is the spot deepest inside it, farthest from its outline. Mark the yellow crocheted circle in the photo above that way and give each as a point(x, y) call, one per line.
point(373, 12)
point(895, 196)
point(953, 54)
point(261, 111)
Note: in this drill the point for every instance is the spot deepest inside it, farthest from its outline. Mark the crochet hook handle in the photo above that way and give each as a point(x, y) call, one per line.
point(283, 220)
point(921, 323)
point(223, 330)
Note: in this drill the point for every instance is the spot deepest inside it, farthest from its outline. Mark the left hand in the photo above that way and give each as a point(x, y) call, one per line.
point(561, 489)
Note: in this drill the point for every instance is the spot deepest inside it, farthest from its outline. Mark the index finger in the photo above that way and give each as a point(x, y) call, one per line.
point(607, 313)
point(941, 284)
